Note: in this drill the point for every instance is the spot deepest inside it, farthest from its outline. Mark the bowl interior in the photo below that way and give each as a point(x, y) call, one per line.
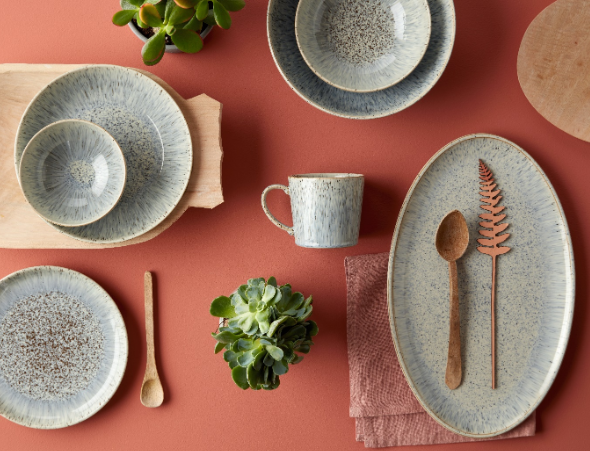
point(72, 172)
point(362, 46)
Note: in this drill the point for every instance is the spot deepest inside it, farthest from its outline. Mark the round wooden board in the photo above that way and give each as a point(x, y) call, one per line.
point(554, 63)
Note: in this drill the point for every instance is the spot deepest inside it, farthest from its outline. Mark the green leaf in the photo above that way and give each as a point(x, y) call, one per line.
point(152, 2)
point(221, 15)
point(225, 337)
point(222, 306)
point(233, 5)
point(194, 24)
point(308, 302)
point(269, 293)
point(140, 24)
point(180, 15)
point(272, 281)
point(297, 359)
point(123, 17)
point(258, 360)
point(149, 14)
point(240, 377)
point(303, 348)
point(153, 50)
point(161, 7)
point(202, 9)
point(219, 347)
point(246, 359)
point(266, 372)
point(268, 360)
point(294, 333)
point(263, 323)
point(312, 328)
point(283, 320)
point(210, 19)
point(253, 376)
point(186, 3)
point(275, 352)
point(245, 344)
point(131, 4)
point(280, 367)
point(228, 356)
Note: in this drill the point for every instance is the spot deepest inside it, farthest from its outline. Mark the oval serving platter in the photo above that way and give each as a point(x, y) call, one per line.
point(534, 291)
point(147, 124)
point(63, 347)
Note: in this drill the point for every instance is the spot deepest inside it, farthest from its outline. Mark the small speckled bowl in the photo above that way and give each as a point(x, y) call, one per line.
point(362, 46)
point(72, 173)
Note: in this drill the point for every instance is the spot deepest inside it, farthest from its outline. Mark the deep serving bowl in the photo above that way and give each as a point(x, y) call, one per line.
point(72, 173)
point(362, 46)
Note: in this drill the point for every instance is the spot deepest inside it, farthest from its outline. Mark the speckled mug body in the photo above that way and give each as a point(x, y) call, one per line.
point(326, 209)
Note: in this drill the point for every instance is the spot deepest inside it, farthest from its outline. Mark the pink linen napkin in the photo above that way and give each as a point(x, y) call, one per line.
point(385, 409)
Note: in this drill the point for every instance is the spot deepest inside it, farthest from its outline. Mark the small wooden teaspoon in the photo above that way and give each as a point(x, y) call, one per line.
point(152, 393)
point(452, 238)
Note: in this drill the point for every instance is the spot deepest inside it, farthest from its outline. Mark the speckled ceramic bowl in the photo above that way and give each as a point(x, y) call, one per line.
point(362, 46)
point(150, 129)
point(63, 347)
point(535, 288)
point(72, 173)
point(354, 105)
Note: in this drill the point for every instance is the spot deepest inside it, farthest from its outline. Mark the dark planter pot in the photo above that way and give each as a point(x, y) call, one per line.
point(169, 48)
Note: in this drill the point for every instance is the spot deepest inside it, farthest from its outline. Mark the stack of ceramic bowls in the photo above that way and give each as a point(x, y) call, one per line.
point(103, 154)
point(361, 59)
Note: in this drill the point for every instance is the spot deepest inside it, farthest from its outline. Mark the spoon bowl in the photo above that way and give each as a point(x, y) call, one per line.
point(152, 393)
point(452, 236)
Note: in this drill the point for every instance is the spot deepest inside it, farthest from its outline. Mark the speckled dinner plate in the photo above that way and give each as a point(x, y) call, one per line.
point(147, 124)
point(357, 105)
point(63, 347)
point(534, 294)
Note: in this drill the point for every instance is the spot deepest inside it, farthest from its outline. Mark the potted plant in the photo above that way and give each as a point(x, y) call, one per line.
point(174, 25)
point(263, 328)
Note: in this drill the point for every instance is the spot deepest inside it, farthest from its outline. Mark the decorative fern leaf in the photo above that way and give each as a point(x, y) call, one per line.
point(491, 197)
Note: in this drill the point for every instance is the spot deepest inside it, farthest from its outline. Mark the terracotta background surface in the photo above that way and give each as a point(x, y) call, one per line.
point(269, 133)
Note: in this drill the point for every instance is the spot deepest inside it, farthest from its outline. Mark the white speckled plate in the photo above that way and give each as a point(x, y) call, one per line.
point(45, 403)
point(147, 124)
point(280, 26)
point(534, 296)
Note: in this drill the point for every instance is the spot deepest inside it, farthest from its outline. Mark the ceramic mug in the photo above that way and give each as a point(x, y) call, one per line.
point(326, 209)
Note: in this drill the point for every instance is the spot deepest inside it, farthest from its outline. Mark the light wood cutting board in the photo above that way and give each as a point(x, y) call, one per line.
point(554, 66)
point(20, 227)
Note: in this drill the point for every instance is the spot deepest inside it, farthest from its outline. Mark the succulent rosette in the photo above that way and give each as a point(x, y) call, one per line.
point(266, 329)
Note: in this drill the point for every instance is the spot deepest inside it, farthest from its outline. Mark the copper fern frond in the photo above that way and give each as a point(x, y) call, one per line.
point(489, 244)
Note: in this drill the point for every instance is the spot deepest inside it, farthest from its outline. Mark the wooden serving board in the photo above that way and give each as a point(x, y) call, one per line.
point(554, 64)
point(21, 227)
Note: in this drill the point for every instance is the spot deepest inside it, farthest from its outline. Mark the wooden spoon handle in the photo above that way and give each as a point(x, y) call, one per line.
point(150, 368)
point(453, 374)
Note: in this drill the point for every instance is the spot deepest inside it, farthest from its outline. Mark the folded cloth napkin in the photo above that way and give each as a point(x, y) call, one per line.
point(385, 409)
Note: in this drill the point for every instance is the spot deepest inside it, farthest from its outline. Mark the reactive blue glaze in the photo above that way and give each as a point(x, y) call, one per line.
point(150, 129)
point(72, 173)
point(52, 414)
point(534, 292)
point(362, 46)
point(283, 46)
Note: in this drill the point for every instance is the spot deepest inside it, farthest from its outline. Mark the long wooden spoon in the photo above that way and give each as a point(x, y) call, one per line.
point(152, 393)
point(452, 238)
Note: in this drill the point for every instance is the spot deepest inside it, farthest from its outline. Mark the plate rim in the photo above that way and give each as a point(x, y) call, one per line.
point(373, 116)
point(569, 310)
point(125, 337)
point(189, 166)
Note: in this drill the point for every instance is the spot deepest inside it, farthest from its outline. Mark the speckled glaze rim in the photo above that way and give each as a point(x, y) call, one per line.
point(569, 309)
point(118, 377)
point(103, 131)
point(181, 115)
point(348, 116)
point(379, 88)
point(326, 175)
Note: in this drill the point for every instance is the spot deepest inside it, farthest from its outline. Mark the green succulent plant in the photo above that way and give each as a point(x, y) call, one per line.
point(182, 20)
point(266, 326)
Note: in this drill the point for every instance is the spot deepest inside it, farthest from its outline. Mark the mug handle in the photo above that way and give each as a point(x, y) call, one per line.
point(274, 220)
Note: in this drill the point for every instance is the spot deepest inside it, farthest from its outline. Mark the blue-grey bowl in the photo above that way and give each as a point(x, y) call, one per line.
point(362, 46)
point(72, 173)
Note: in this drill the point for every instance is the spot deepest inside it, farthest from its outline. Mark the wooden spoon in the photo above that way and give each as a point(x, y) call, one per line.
point(452, 238)
point(152, 393)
